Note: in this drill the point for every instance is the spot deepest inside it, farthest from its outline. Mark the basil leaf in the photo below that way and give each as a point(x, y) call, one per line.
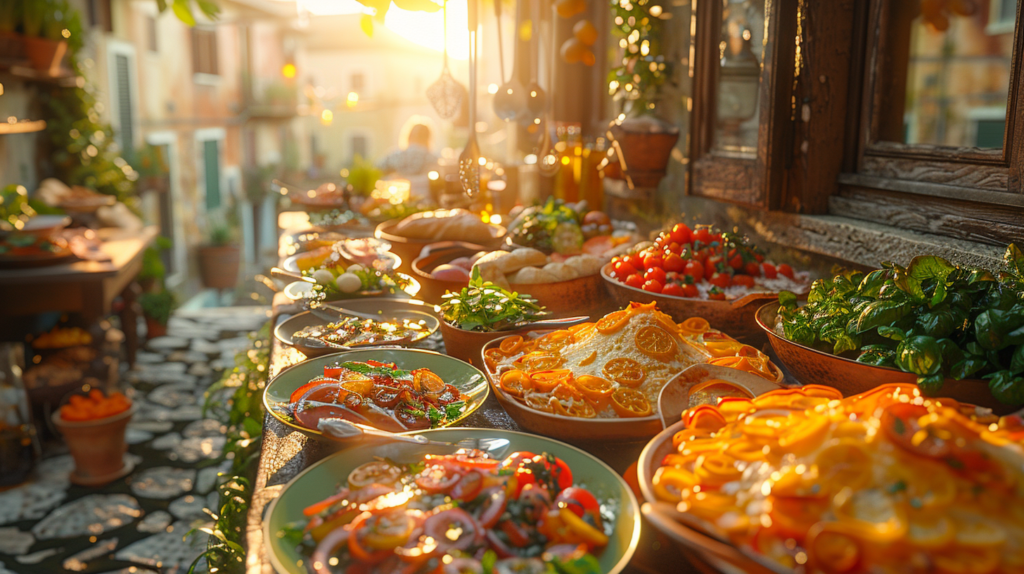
point(877, 355)
point(931, 385)
point(881, 313)
point(1017, 360)
point(1006, 388)
point(967, 367)
point(919, 355)
point(925, 267)
point(1014, 260)
point(894, 333)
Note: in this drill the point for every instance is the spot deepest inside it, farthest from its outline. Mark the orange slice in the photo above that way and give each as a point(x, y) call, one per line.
point(539, 401)
point(540, 361)
point(511, 345)
point(694, 326)
point(545, 381)
point(583, 333)
point(589, 359)
point(656, 343)
point(582, 409)
point(427, 381)
point(554, 341)
point(630, 403)
point(624, 371)
point(612, 322)
point(492, 357)
point(515, 383)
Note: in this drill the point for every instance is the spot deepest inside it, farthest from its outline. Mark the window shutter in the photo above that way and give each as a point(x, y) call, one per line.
point(211, 164)
point(124, 103)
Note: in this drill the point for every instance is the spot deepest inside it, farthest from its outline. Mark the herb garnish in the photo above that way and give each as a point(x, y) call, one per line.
point(483, 306)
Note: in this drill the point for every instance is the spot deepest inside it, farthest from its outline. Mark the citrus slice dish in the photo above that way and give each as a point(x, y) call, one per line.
point(876, 482)
point(398, 390)
point(615, 367)
point(518, 503)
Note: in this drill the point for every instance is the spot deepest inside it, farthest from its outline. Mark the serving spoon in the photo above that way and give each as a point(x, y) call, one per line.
point(563, 322)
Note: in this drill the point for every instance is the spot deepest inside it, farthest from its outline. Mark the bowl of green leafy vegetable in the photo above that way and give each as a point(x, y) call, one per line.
point(481, 313)
point(957, 332)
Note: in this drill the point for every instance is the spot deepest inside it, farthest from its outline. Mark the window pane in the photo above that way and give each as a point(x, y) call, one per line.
point(948, 73)
point(211, 165)
point(741, 51)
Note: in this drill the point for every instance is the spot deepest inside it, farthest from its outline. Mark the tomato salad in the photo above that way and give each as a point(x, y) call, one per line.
point(457, 513)
point(379, 395)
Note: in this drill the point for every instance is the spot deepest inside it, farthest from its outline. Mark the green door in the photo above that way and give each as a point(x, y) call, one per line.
point(211, 164)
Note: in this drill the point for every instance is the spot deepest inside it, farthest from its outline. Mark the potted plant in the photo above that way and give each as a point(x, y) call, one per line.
point(157, 307)
point(154, 173)
point(151, 277)
point(44, 22)
point(646, 141)
point(94, 426)
point(476, 316)
point(219, 257)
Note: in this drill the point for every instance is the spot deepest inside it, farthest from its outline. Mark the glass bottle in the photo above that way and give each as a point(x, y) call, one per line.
point(19, 446)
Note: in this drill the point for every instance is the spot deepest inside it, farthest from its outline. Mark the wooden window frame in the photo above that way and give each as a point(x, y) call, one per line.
point(205, 66)
point(963, 192)
point(751, 180)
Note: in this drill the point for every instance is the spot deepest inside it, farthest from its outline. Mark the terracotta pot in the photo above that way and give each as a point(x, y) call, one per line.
point(44, 54)
point(646, 144)
point(852, 378)
point(155, 328)
point(98, 447)
point(218, 266)
point(467, 345)
point(12, 46)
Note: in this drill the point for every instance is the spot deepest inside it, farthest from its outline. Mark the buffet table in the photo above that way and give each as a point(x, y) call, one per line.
point(286, 453)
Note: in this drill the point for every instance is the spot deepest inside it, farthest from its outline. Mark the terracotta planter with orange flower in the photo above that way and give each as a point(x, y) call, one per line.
point(94, 427)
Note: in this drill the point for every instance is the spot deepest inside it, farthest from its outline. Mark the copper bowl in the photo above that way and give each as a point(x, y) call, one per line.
point(851, 377)
point(735, 317)
point(467, 345)
point(409, 249)
point(435, 255)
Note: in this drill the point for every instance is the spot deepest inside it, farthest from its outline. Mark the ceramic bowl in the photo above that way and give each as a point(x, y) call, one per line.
point(468, 379)
point(411, 309)
point(321, 480)
point(851, 377)
point(735, 317)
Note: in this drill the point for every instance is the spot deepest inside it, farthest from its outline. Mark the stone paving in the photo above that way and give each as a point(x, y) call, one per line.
point(136, 525)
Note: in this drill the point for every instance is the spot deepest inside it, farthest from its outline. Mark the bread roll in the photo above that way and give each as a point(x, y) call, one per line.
point(497, 264)
point(561, 271)
point(585, 264)
point(532, 276)
point(446, 225)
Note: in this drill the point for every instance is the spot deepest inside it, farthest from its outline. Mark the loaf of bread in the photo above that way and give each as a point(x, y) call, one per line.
point(447, 225)
point(497, 264)
point(561, 271)
point(585, 264)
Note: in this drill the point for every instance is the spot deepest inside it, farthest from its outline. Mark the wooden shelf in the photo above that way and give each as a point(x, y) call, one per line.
point(64, 77)
point(22, 127)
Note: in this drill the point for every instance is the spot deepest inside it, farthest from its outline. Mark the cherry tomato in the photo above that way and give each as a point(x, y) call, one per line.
point(674, 248)
point(673, 289)
point(652, 286)
point(517, 458)
point(694, 268)
point(655, 274)
point(752, 268)
point(635, 260)
point(703, 235)
point(715, 294)
point(712, 265)
point(681, 233)
point(736, 261)
point(785, 270)
point(722, 280)
point(690, 290)
point(579, 501)
point(623, 269)
point(558, 470)
point(745, 280)
point(492, 507)
point(635, 280)
point(652, 260)
point(769, 271)
point(674, 262)
point(332, 372)
point(468, 486)
point(517, 535)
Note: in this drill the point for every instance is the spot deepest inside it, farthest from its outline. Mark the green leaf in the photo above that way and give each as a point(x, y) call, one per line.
point(787, 299)
point(910, 285)
point(931, 385)
point(872, 283)
point(925, 267)
point(877, 355)
point(488, 561)
point(846, 343)
point(939, 294)
point(1014, 259)
point(252, 427)
point(993, 328)
point(183, 10)
point(208, 8)
point(919, 355)
point(1006, 388)
point(879, 313)
point(967, 367)
point(1017, 360)
point(366, 24)
point(894, 333)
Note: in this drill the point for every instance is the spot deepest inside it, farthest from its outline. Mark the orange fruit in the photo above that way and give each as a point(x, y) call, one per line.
point(585, 32)
point(581, 409)
point(539, 401)
point(588, 58)
point(656, 343)
point(630, 403)
point(612, 322)
point(570, 8)
point(572, 51)
point(625, 371)
point(515, 383)
point(582, 333)
point(540, 361)
point(427, 381)
point(589, 359)
point(554, 341)
point(545, 381)
point(694, 326)
point(492, 357)
point(596, 390)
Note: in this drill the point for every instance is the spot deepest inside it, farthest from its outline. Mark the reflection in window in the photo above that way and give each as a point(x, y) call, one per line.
point(741, 53)
point(949, 65)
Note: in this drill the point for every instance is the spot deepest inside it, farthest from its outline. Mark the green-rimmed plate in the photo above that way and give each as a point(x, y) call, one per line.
point(322, 479)
point(465, 377)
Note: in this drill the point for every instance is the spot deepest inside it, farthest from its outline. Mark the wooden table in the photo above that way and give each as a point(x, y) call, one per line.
point(85, 287)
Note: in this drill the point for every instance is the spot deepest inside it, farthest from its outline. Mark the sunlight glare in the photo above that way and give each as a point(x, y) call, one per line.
point(427, 29)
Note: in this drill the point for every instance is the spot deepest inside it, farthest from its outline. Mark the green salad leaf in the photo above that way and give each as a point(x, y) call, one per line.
point(931, 318)
point(483, 306)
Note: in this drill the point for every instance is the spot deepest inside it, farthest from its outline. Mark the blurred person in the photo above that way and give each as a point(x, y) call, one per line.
point(415, 159)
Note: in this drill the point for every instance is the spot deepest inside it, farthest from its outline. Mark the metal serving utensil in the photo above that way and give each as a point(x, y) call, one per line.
point(543, 323)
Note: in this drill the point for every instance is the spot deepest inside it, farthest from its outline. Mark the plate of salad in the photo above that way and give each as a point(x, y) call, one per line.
point(956, 331)
point(504, 502)
point(398, 390)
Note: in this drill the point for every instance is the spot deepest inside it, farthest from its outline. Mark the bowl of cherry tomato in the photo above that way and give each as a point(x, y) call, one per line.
point(720, 276)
